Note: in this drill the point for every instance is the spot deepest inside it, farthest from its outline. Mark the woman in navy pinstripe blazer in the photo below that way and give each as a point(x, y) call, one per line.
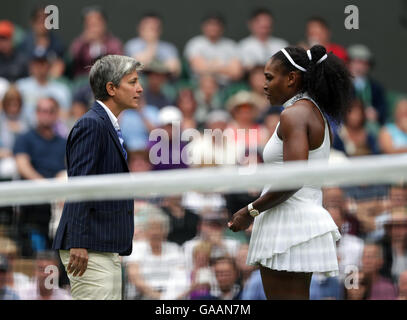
point(96, 232)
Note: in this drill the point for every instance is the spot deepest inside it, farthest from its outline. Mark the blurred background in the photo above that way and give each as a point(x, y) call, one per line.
point(204, 65)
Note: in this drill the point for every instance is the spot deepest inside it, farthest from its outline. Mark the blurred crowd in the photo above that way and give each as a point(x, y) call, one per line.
point(182, 248)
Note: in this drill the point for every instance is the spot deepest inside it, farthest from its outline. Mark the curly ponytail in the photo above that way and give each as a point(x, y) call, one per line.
point(326, 80)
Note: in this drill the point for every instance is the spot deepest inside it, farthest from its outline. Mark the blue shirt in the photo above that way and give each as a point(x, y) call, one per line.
point(322, 288)
point(253, 289)
point(47, 156)
point(133, 129)
point(398, 137)
point(164, 51)
point(7, 294)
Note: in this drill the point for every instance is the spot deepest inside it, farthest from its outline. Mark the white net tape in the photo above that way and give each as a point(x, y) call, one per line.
point(357, 171)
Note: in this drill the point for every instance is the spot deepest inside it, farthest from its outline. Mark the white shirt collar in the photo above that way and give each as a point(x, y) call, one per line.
point(112, 117)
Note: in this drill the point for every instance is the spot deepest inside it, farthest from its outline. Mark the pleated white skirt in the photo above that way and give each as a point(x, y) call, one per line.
point(295, 236)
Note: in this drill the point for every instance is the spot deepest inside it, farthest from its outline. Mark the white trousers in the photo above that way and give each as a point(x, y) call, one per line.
point(102, 279)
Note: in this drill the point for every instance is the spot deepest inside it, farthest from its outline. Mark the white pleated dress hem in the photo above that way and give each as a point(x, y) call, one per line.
point(295, 237)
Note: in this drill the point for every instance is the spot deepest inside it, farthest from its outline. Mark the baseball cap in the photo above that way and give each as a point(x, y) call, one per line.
point(360, 52)
point(169, 114)
point(39, 54)
point(6, 29)
point(3, 263)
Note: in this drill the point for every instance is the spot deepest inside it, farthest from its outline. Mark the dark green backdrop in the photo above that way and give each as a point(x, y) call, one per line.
point(380, 23)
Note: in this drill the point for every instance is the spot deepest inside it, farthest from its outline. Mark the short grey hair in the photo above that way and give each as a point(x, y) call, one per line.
point(156, 214)
point(110, 68)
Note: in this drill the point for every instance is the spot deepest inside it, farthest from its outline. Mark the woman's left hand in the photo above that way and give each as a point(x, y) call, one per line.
point(241, 220)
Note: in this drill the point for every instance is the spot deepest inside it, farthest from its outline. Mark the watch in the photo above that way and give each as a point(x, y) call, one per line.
point(253, 212)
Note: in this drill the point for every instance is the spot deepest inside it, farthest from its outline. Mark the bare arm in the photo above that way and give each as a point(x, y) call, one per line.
point(233, 69)
point(294, 132)
point(4, 153)
point(386, 143)
point(136, 278)
point(25, 169)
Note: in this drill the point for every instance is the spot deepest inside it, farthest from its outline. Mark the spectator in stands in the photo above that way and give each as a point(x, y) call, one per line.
point(183, 222)
point(212, 53)
point(94, 42)
point(13, 62)
point(393, 136)
point(41, 40)
point(39, 84)
point(253, 289)
point(244, 109)
point(187, 104)
point(317, 31)
point(40, 153)
point(352, 137)
point(349, 250)
point(402, 286)
point(202, 277)
point(325, 288)
point(44, 285)
point(372, 260)
point(366, 87)
point(155, 262)
point(256, 86)
point(8, 169)
point(257, 48)
point(12, 120)
point(244, 270)
point(149, 47)
point(16, 280)
point(5, 292)
point(162, 142)
point(12, 123)
point(349, 247)
point(214, 147)
point(139, 161)
point(157, 75)
point(136, 125)
point(211, 229)
point(359, 288)
point(226, 274)
point(335, 197)
point(82, 101)
point(207, 96)
point(396, 228)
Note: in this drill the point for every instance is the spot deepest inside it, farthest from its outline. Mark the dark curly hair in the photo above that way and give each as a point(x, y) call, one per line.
point(328, 82)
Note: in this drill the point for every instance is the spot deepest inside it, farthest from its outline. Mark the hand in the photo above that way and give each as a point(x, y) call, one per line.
point(78, 261)
point(241, 220)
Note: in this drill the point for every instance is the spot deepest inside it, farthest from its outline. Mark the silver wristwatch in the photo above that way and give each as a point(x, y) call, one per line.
point(253, 212)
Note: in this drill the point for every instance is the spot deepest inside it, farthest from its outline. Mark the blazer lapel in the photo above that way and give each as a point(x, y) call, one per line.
point(113, 134)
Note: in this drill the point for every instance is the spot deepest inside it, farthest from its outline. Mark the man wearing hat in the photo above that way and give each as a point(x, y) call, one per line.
point(13, 63)
point(157, 76)
point(244, 108)
point(366, 88)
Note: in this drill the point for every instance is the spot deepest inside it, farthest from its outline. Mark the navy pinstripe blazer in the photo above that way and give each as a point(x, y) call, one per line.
point(93, 148)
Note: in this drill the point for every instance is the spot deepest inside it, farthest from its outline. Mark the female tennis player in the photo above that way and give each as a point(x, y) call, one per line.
point(293, 235)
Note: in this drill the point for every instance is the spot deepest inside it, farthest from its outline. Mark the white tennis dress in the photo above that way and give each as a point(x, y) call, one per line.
point(298, 235)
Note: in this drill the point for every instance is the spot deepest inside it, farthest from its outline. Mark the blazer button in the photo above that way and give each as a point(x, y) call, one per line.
point(129, 212)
